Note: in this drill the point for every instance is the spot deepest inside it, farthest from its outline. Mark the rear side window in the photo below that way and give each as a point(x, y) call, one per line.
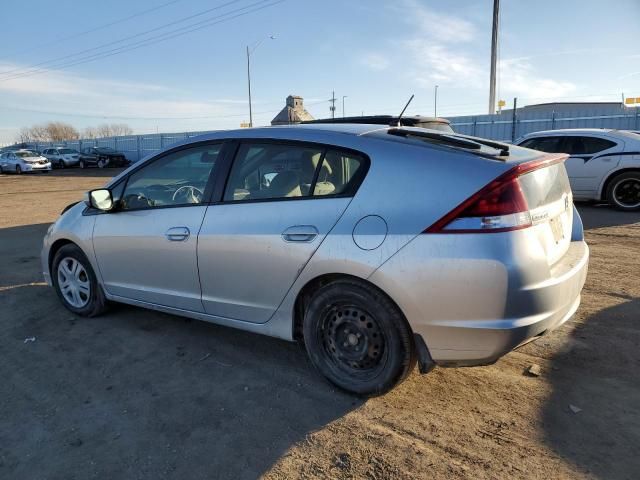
point(338, 173)
point(586, 145)
point(544, 144)
point(278, 171)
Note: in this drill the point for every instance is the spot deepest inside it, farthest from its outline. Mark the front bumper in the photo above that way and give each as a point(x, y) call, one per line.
point(36, 167)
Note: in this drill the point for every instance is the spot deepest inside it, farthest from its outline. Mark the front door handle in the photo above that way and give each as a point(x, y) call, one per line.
point(300, 233)
point(177, 234)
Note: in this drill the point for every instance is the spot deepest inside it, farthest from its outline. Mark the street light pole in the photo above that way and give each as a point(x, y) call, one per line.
point(435, 102)
point(249, 52)
point(343, 97)
point(249, 84)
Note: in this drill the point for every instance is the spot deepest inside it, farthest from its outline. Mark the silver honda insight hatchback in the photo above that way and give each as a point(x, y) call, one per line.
point(376, 247)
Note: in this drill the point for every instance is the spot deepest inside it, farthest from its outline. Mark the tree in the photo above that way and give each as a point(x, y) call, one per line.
point(60, 131)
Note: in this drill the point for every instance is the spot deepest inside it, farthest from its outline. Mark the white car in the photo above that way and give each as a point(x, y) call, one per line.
point(62, 157)
point(603, 165)
point(20, 161)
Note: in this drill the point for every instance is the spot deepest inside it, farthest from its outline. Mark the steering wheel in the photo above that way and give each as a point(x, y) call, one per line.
point(190, 193)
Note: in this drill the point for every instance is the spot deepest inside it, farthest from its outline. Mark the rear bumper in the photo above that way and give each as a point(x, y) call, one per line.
point(477, 301)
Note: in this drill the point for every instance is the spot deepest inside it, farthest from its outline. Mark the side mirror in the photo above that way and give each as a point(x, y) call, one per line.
point(102, 199)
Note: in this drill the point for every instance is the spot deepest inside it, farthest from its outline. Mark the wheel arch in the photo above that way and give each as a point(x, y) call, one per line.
point(605, 186)
point(313, 285)
point(57, 245)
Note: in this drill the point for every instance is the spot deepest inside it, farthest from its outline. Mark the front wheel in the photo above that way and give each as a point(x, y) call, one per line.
point(18, 169)
point(358, 338)
point(75, 282)
point(61, 164)
point(624, 191)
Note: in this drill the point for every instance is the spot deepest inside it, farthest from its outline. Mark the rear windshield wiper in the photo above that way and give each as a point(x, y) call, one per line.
point(504, 149)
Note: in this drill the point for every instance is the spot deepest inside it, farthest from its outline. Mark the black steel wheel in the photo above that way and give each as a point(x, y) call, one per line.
point(358, 338)
point(624, 191)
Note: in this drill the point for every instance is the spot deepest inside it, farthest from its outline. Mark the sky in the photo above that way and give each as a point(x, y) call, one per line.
point(180, 65)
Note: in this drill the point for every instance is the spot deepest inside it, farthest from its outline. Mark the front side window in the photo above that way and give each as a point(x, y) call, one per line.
point(544, 144)
point(587, 145)
point(179, 178)
point(272, 171)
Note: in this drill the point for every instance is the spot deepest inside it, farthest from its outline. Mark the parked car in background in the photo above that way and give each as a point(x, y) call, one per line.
point(101, 157)
point(23, 161)
point(62, 157)
point(603, 165)
point(375, 246)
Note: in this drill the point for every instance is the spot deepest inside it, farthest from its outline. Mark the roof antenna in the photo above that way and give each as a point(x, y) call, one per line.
point(402, 112)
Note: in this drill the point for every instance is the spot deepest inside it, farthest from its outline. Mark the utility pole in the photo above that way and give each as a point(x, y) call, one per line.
point(333, 104)
point(343, 97)
point(435, 102)
point(514, 118)
point(494, 57)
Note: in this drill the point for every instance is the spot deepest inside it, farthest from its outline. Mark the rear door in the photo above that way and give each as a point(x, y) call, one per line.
point(590, 158)
point(280, 201)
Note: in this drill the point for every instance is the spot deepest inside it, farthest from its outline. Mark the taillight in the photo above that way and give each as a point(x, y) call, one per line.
point(500, 206)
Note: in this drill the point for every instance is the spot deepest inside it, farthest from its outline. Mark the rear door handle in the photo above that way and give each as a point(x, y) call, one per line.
point(300, 233)
point(177, 234)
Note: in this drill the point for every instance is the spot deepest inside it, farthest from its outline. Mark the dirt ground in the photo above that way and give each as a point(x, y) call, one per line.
point(139, 394)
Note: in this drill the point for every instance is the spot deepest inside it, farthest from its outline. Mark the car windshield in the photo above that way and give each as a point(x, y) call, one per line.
point(65, 151)
point(105, 149)
point(26, 154)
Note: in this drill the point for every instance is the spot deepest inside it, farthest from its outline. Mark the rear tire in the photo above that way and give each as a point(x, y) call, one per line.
point(75, 282)
point(358, 338)
point(81, 164)
point(623, 191)
point(101, 164)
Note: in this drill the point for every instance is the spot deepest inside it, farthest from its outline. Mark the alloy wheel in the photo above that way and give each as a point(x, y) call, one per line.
point(73, 282)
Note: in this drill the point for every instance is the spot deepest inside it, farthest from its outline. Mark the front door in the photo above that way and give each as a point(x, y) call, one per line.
point(146, 249)
point(280, 202)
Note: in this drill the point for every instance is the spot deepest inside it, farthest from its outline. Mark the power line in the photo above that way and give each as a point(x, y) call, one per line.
point(150, 41)
point(57, 59)
point(95, 29)
point(116, 117)
point(153, 40)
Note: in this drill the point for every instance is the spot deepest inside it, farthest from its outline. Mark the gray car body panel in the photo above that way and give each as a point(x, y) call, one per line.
point(450, 287)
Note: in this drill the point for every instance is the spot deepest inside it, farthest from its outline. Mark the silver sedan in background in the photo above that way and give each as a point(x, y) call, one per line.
point(377, 247)
point(22, 161)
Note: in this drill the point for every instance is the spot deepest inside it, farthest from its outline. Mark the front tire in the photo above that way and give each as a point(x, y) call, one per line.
point(75, 282)
point(61, 164)
point(623, 191)
point(18, 170)
point(358, 338)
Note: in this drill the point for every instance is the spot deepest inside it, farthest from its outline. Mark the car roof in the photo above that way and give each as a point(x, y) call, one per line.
point(562, 131)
